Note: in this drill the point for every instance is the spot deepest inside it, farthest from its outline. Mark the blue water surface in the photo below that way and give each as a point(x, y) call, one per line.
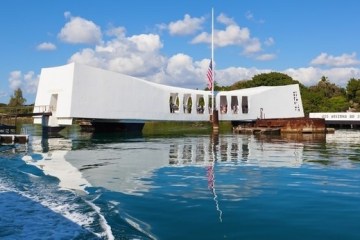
point(227, 186)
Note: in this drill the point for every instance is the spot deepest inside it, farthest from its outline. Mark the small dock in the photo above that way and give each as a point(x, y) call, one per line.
point(13, 138)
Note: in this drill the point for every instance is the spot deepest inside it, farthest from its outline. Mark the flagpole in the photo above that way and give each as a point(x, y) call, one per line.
point(215, 116)
point(213, 62)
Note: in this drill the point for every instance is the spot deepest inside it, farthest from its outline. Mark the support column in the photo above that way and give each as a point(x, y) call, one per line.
point(44, 125)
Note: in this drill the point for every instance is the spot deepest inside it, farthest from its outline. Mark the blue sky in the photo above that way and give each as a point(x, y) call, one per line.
point(168, 42)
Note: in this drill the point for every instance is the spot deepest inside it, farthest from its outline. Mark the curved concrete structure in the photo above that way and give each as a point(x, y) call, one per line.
point(78, 91)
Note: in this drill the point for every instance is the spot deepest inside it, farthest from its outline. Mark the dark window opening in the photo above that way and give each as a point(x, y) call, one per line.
point(234, 104)
point(223, 104)
point(174, 103)
point(244, 104)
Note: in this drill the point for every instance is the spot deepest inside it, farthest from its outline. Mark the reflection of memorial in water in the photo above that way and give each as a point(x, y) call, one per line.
point(117, 166)
point(293, 137)
point(122, 164)
point(239, 149)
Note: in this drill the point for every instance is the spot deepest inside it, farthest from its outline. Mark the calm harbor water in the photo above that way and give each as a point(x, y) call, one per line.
point(227, 186)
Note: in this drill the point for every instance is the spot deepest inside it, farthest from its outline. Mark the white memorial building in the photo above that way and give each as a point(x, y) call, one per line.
point(76, 91)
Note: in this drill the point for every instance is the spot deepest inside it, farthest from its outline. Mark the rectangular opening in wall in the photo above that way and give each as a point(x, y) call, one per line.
point(244, 104)
point(53, 102)
point(234, 104)
point(223, 104)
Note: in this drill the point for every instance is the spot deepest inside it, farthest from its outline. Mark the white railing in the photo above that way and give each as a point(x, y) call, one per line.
point(44, 109)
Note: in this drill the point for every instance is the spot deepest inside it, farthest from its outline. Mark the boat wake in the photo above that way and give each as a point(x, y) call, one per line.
point(33, 206)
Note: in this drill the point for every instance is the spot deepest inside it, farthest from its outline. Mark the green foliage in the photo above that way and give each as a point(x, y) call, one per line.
point(353, 93)
point(327, 89)
point(311, 100)
point(272, 79)
point(324, 97)
point(338, 104)
point(352, 89)
point(219, 88)
point(265, 79)
point(17, 99)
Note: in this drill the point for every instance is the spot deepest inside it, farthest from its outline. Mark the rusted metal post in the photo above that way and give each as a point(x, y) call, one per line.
point(215, 121)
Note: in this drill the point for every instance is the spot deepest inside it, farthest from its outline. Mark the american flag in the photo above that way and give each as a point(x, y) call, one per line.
point(210, 76)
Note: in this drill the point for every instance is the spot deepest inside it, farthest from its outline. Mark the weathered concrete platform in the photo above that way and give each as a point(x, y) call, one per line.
point(13, 138)
point(294, 125)
point(285, 125)
point(257, 130)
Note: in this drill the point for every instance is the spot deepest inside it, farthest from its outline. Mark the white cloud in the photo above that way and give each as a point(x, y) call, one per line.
point(203, 37)
point(250, 16)
point(140, 56)
point(269, 42)
point(266, 57)
point(89, 57)
point(186, 26)
point(118, 32)
point(253, 46)
point(336, 61)
point(228, 76)
point(137, 55)
point(310, 76)
point(222, 18)
point(28, 82)
point(181, 70)
point(80, 30)
point(147, 42)
point(234, 35)
point(15, 80)
point(46, 46)
point(31, 82)
point(307, 76)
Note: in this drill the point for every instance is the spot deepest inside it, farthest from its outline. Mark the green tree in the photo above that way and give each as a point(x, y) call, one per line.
point(327, 89)
point(265, 79)
point(17, 99)
point(352, 89)
point(272, 79)
point(324, 97)
point(311, 100)
point(353, 93)
point(338, 104)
